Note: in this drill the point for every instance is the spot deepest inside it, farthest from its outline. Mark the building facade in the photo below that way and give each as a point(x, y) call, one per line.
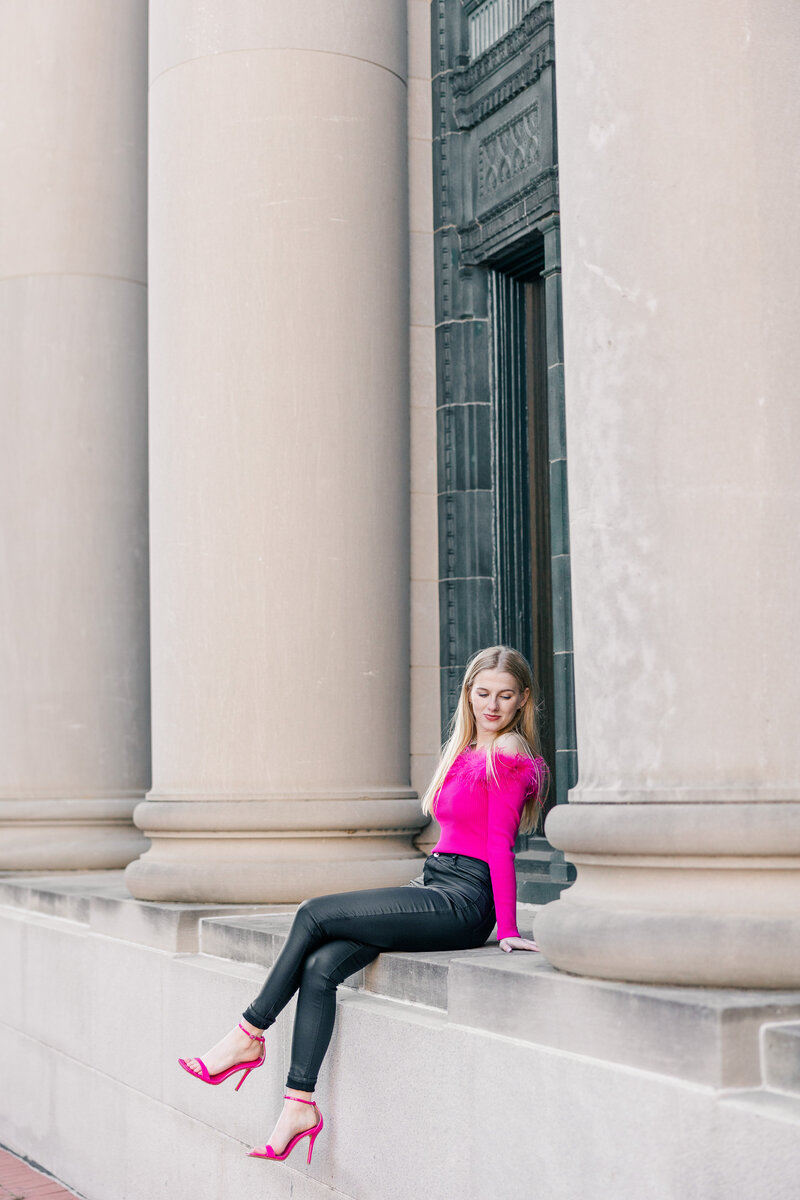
point(339, 341)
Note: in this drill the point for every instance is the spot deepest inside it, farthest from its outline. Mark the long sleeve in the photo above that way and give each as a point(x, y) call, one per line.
point(506, 799)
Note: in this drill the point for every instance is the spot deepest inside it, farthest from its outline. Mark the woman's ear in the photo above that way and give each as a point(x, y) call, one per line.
point(524, 699)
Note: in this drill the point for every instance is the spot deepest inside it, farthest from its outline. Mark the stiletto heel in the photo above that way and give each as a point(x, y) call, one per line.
point(221, 1076)
point(311, 1134)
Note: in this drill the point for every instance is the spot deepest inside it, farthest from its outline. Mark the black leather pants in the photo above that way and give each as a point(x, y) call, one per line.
point(449, 907)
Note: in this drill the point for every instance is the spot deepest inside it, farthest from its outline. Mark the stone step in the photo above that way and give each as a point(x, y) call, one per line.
point(419, 978)
point(707, 1036)
point(764, 1104)
point(780, 1057)
point(591, 1065)
point(101, 901)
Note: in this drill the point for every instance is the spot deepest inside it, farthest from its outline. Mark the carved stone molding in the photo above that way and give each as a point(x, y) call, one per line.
point(470, 113)
point(502, 223)
point(507, 152)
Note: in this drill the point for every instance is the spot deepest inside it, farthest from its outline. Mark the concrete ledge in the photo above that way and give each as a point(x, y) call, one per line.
point(476, 1027)
point(419, 978)
point(707, 1036)
point(100, 900)
point(780, 1053)
point(701, 1035)
point(771, 1105)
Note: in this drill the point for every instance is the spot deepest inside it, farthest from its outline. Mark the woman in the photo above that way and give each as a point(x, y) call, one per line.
point(489, 785)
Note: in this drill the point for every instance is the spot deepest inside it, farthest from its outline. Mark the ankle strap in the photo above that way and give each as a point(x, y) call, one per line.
point(252, 1036)
point(313, 1103)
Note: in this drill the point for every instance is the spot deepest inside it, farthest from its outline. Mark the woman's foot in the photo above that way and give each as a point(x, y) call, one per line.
point(295, 1118)
point(235, 1047)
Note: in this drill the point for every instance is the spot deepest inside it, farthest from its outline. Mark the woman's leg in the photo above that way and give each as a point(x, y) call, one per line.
point(308, 931)
point(398, 918)
point(331, 938)
point(324, 969)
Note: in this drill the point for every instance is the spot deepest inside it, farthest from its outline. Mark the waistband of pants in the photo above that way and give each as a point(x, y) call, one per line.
point(460, 867)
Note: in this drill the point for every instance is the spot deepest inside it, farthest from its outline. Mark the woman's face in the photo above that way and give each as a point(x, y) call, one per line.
point(495, 698)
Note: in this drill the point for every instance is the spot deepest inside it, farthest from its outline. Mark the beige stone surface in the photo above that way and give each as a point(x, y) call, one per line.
point(425, 718)
point(68, 834)
point(682, 426)
point(419, 39)
point(74, 677)
point(423, 458)
point(74, 719)
point(426, 535)
point(73, 141)
point(681, 374)
point(423, 366)
point(282, 558)
point(373, 33)
point(425, 629)
point(279, 447)
point(163, 1135)
point(420, 167)
point(423, 308)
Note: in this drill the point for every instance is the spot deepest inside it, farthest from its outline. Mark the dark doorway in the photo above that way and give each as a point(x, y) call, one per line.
point(539, 492)
point(523, 569)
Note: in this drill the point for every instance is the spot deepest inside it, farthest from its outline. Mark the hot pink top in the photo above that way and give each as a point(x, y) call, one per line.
point(480, 818)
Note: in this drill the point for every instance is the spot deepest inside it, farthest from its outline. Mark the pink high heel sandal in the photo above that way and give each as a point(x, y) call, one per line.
point(247, 1067)
point(311, 1134)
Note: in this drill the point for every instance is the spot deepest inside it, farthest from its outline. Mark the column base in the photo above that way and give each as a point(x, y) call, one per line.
point(696, 894)
point(69, 834)
point(274, 851)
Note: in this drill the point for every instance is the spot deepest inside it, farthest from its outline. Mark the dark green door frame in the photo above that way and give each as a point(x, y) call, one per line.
point(496, 217)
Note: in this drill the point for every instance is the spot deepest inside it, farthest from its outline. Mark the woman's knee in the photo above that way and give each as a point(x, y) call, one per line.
point(307, 913)
point(321, 967)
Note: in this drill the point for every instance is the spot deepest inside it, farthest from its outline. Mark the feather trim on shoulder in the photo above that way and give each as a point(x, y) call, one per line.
point(470, 768)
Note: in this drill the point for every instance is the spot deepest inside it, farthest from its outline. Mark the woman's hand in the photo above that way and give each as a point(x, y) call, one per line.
point(517, 943)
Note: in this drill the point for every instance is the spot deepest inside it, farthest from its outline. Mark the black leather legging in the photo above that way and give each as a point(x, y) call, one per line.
point(449, 907)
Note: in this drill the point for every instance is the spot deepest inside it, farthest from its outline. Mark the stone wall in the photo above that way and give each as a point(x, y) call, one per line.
point(466, 1076)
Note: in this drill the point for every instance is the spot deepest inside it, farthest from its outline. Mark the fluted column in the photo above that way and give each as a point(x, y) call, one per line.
point(681, 292)
point(279, 451)
point(74, 720)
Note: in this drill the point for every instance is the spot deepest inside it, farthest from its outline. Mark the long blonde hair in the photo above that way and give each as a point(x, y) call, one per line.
point(463, 730)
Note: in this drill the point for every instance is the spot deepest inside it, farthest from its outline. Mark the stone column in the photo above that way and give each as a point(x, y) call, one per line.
point(279, 452)
point(74, 719)
point(680, 192)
